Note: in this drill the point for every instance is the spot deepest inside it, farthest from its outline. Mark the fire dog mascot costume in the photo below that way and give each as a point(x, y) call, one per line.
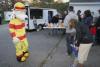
point(17, 31)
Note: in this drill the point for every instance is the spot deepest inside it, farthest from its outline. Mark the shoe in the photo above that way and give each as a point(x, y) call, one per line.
point(19, 58)
point(23, 57)
point(26, 54)
point(73, 65)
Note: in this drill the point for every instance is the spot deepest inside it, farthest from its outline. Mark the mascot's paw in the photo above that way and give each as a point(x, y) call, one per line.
point(26, 54)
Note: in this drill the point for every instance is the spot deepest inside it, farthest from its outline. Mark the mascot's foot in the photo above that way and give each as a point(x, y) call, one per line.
point(21, 58)
point(26, 54)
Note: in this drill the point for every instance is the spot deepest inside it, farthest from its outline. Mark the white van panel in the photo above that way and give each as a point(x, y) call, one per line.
point(55, 12)
point(39, 21)
point(31, 24)
point(45, 14)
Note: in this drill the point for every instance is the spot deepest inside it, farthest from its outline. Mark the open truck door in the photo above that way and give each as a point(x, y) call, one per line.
point(40, 15)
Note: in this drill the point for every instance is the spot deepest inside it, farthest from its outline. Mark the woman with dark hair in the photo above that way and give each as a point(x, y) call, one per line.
point(88, 18)
point(84, 38)
point(98, 29)
point(79, 15)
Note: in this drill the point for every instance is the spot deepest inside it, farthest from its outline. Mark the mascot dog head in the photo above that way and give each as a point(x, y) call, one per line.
point(19, 11)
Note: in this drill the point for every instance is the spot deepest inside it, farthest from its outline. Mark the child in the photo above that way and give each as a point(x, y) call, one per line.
point(72, 36)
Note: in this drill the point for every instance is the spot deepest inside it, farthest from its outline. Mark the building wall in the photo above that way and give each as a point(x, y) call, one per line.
point(84, 0)
point(93, 7)
point(60, 1)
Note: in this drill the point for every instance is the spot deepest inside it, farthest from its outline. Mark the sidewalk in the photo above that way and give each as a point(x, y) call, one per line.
point(59, 57)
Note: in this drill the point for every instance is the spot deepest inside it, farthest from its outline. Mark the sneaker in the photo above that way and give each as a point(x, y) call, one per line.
point(73, 65)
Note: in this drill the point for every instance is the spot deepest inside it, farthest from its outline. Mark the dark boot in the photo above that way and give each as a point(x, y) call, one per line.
point(19, 58)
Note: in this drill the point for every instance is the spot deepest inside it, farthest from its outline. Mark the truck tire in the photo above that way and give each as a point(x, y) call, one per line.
point(40, 27)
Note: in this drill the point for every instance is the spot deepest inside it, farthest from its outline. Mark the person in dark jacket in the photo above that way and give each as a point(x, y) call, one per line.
point(84, 42)
point(98, 29)
point(88, 18)
point(79, 15)
point(55, 19)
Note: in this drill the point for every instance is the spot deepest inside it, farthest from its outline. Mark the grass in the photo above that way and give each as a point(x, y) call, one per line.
point(4, 22)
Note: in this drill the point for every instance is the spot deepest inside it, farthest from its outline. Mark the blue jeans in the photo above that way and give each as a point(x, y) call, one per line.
point(69, 41)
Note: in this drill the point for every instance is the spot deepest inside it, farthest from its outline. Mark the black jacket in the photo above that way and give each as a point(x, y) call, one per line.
point(83, 35)
point(55, 20)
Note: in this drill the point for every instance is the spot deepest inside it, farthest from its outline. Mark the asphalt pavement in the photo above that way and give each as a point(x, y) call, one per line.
point(45, 51)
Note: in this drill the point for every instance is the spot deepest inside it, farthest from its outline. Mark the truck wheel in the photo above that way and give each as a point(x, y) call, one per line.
point(40, 27)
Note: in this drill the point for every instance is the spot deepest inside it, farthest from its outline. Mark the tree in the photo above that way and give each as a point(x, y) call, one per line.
point(50, 1)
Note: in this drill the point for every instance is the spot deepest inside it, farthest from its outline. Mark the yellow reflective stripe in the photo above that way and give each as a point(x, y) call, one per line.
point(11, 30)
point(20, 32)
point(16, 22)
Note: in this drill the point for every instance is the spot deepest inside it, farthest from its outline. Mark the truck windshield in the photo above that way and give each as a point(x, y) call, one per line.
point(37, 13)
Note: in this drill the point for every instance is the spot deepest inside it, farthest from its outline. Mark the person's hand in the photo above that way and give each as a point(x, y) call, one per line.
point(16, 40)
point(77, 48)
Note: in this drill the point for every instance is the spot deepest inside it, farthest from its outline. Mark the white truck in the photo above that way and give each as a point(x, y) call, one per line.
point(41, 15)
